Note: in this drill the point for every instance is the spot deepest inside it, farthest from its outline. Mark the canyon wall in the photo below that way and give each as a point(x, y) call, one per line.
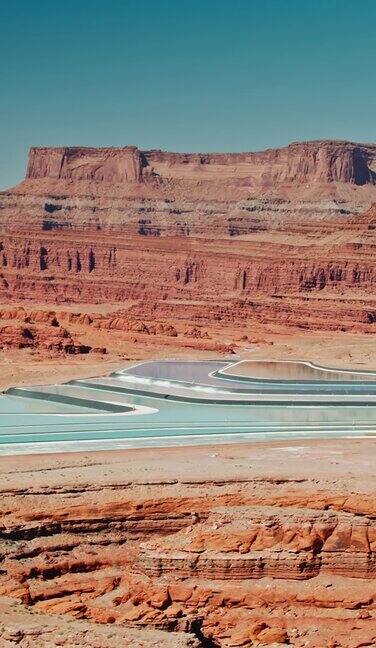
point(101, 165)
point(210, 549)
point(276, 230)
point(307, 162)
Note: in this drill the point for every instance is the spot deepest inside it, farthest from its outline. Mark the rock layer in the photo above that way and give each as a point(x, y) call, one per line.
point(21, 628)
point(285, 232)
point(321, 161)
point(274, 231)
point(231, 562)
point(100, 165)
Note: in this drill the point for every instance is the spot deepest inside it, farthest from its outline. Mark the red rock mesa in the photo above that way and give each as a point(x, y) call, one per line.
point(266, 236)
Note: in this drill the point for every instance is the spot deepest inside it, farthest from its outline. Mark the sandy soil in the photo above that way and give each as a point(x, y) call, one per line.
point(341, 350)
point(348, 462)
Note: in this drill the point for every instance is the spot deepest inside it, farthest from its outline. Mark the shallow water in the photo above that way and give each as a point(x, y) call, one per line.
point(290, 370)
point(223, 376)
point(28, 425)
point(13, 406)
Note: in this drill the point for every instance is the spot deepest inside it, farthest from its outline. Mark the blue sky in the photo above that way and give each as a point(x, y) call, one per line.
point(197, 75)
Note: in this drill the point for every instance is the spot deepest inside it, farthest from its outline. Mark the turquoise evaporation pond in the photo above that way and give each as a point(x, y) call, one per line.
point(14, 406)
point(25, 420)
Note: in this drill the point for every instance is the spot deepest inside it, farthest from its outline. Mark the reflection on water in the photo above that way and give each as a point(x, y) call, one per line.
point(189, 371)
point(289, 370)
point(176, 419)
point(37, 423)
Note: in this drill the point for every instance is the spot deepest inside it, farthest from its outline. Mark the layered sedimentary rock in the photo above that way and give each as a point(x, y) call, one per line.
point(242, 544)
point(231, 562)
point(29, 328)
point(308, 162)
point(280, 231)
point(20, 627)
point(100, 165)
point(38, 330)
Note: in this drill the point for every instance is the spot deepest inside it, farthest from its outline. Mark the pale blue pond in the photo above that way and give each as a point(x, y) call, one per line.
point(14, 406)
point(75, 416)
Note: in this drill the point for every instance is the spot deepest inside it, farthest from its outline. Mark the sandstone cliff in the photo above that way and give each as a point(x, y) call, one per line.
point(101, 165)
point(308, 162)
point(279, 231)
point(210, 547)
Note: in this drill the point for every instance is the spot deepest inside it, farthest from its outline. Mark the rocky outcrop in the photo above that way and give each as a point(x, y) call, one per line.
point(112, 165)
point(308, 162)
point(28, 328)
point(321, 286)
point(24, 629)
point(234, 563)
point(367, 218)
point(258, 543)
point(280, 231)
point(37, 330)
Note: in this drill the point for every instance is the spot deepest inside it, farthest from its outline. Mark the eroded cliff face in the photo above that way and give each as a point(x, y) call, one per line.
point(230, 561)
point(280, 231)
point(113, 165)
point(307, 162)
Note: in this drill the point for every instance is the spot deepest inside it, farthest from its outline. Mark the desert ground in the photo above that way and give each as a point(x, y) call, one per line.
point(43, 365)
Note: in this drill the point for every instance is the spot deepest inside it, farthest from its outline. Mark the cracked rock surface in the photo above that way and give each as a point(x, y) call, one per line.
point(264, 544)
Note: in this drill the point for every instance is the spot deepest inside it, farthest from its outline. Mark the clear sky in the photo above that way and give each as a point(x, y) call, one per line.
point(183, 75)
